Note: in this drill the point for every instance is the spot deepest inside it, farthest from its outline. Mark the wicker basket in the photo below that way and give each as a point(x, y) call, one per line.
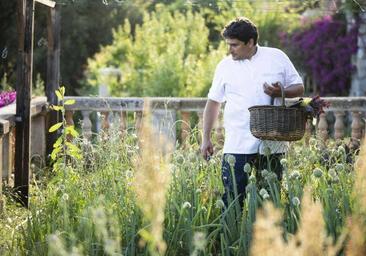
point(278, 123)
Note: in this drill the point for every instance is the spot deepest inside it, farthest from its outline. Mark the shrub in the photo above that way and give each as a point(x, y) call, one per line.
point(325, 49)
point(169, 55)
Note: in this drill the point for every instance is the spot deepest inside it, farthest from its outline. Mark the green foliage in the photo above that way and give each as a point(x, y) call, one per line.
point(271, 18)
point(168, 56)
point(38, 86)
point(93, 211)
point(63, 148)
point(171, 54)
point(5, 86)
point(82, 33)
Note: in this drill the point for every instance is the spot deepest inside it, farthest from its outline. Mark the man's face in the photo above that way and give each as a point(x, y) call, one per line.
point(239, 50)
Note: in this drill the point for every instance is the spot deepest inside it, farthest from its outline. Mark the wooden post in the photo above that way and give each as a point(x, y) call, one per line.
point(24, 92)
point(53, 73)
point(4, 129)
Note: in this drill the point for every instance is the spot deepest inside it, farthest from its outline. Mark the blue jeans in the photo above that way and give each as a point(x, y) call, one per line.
point(255, 160)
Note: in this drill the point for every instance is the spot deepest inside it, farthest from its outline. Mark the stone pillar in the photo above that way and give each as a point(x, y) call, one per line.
point(356, 126)
point(323, 127)
point(308, 130)
point(339, 125)
point(86, 125)
point(358, 87)
point(123, 122)
point(106, 75)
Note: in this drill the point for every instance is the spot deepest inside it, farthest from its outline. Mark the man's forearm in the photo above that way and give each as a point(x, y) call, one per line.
point(295, 90)
point(209, 117)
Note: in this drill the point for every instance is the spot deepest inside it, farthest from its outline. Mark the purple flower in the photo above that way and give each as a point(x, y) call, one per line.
point(6, 98)
point(325, 49)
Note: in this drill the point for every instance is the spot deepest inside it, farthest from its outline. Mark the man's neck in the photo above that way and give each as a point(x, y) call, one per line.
point(255, 49)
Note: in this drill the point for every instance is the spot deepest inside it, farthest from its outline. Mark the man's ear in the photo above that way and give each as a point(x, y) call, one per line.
point(251, 42)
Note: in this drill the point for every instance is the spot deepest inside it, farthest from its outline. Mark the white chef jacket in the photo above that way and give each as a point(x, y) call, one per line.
point(239, 83)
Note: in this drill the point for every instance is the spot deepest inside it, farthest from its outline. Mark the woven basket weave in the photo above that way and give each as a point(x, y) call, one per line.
point(279, 123)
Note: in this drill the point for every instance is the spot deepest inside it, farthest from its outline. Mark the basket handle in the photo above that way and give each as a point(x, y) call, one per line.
point(282, 95)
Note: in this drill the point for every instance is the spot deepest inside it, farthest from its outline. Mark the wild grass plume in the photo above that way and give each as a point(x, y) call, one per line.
point(151, 182)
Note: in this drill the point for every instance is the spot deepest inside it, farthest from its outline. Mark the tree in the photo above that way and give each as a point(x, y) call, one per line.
point(85, 25)
point(174, 53)
point(169, 55)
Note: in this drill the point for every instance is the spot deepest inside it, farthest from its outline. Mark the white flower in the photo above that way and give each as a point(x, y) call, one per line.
point(335, 179)
point(264, 173)
point(186, 205)
point(341, 150)
point(65, 197)
point(263, 191)
point(129, 174)
point(283, 162)
point(247, 168)
point(332, 173)
point(295, 175)
point(230, 159)
point(295, 201)
point(219, 204)
point(199, 241)
point(265, 196)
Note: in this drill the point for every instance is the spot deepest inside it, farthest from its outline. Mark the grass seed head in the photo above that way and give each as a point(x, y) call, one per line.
point(152, 179)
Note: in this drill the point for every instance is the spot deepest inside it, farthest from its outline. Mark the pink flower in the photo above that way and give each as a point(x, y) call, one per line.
point(7, 98)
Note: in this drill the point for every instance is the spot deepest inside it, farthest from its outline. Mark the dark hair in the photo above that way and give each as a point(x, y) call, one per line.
point(242, 29)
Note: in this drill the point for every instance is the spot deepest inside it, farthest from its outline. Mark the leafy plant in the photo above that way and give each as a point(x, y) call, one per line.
point(169, 55)
point(63, 147)
point(313, 106)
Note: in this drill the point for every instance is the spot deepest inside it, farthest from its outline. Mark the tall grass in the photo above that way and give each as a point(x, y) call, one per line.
point(126, 198)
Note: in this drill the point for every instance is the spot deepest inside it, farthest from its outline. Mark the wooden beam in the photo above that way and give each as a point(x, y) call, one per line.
point(23, 103)
point(20, 25)
point(48, 3)
point(53, 72)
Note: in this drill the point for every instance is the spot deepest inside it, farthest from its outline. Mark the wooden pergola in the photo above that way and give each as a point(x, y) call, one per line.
point(25, 25)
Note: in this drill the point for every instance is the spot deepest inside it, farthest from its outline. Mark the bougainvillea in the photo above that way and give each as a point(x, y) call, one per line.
point(6, 98)
point(325, 50)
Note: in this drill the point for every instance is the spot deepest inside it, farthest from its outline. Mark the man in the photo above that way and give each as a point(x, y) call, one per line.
point(250, 75)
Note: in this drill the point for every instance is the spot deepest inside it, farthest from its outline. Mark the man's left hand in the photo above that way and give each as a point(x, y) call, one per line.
point(273, 90)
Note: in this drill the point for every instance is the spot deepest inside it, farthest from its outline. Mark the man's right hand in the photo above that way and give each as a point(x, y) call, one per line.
point(206, 149)
point(210, 114)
